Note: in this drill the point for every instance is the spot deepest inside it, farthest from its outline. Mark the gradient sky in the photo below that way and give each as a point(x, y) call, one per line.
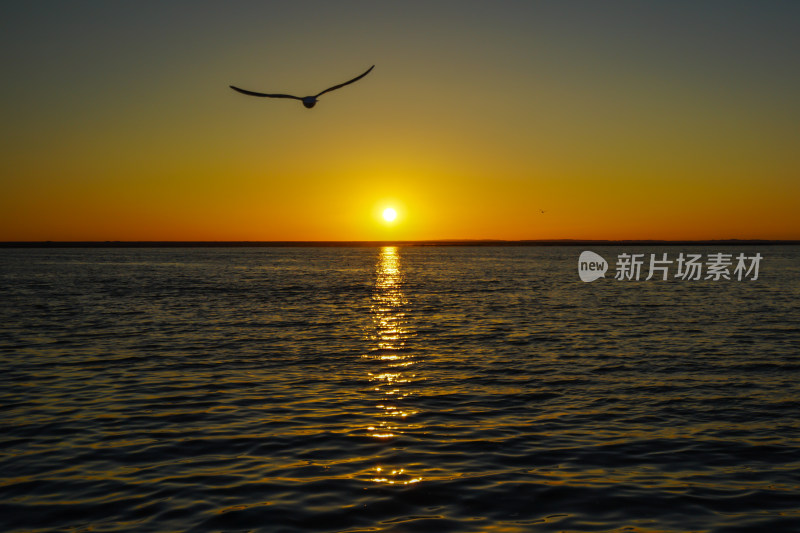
point(622, 120)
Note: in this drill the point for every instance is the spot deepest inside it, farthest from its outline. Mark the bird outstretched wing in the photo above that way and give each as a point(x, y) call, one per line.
point(329, 89)
point(252, 93)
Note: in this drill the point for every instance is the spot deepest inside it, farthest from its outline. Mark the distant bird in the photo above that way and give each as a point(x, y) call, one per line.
point(543, 211)
point(308, 101)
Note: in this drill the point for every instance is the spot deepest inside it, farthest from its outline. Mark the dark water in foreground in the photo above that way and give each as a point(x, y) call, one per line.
point(410, 389)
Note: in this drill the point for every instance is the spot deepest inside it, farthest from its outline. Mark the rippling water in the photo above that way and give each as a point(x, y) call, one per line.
point(393, 389)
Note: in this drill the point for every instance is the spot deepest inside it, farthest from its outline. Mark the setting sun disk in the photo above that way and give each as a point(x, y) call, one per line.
point(389, 214)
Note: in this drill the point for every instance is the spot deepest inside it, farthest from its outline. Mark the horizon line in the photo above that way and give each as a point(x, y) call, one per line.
point(374, 243)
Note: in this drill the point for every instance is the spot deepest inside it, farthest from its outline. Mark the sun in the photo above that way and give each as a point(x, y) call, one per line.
point(389, 214)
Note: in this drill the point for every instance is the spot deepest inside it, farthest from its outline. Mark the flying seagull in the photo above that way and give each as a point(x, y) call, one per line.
point(308, 101)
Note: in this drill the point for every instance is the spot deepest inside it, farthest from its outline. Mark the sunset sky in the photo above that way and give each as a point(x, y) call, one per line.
point(621, 120)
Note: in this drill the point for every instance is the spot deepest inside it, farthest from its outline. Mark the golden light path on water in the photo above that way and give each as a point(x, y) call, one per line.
point(394, 370)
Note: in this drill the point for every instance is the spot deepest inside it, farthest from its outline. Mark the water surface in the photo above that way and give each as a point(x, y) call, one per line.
point(393, 389)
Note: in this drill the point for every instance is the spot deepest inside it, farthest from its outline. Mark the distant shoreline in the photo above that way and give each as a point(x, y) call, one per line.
point(372, 244)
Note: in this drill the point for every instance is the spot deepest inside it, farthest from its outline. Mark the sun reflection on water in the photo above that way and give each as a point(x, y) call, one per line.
point(394, 371)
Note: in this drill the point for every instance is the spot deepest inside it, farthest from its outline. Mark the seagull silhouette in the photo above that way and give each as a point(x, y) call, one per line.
point(308, 101)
